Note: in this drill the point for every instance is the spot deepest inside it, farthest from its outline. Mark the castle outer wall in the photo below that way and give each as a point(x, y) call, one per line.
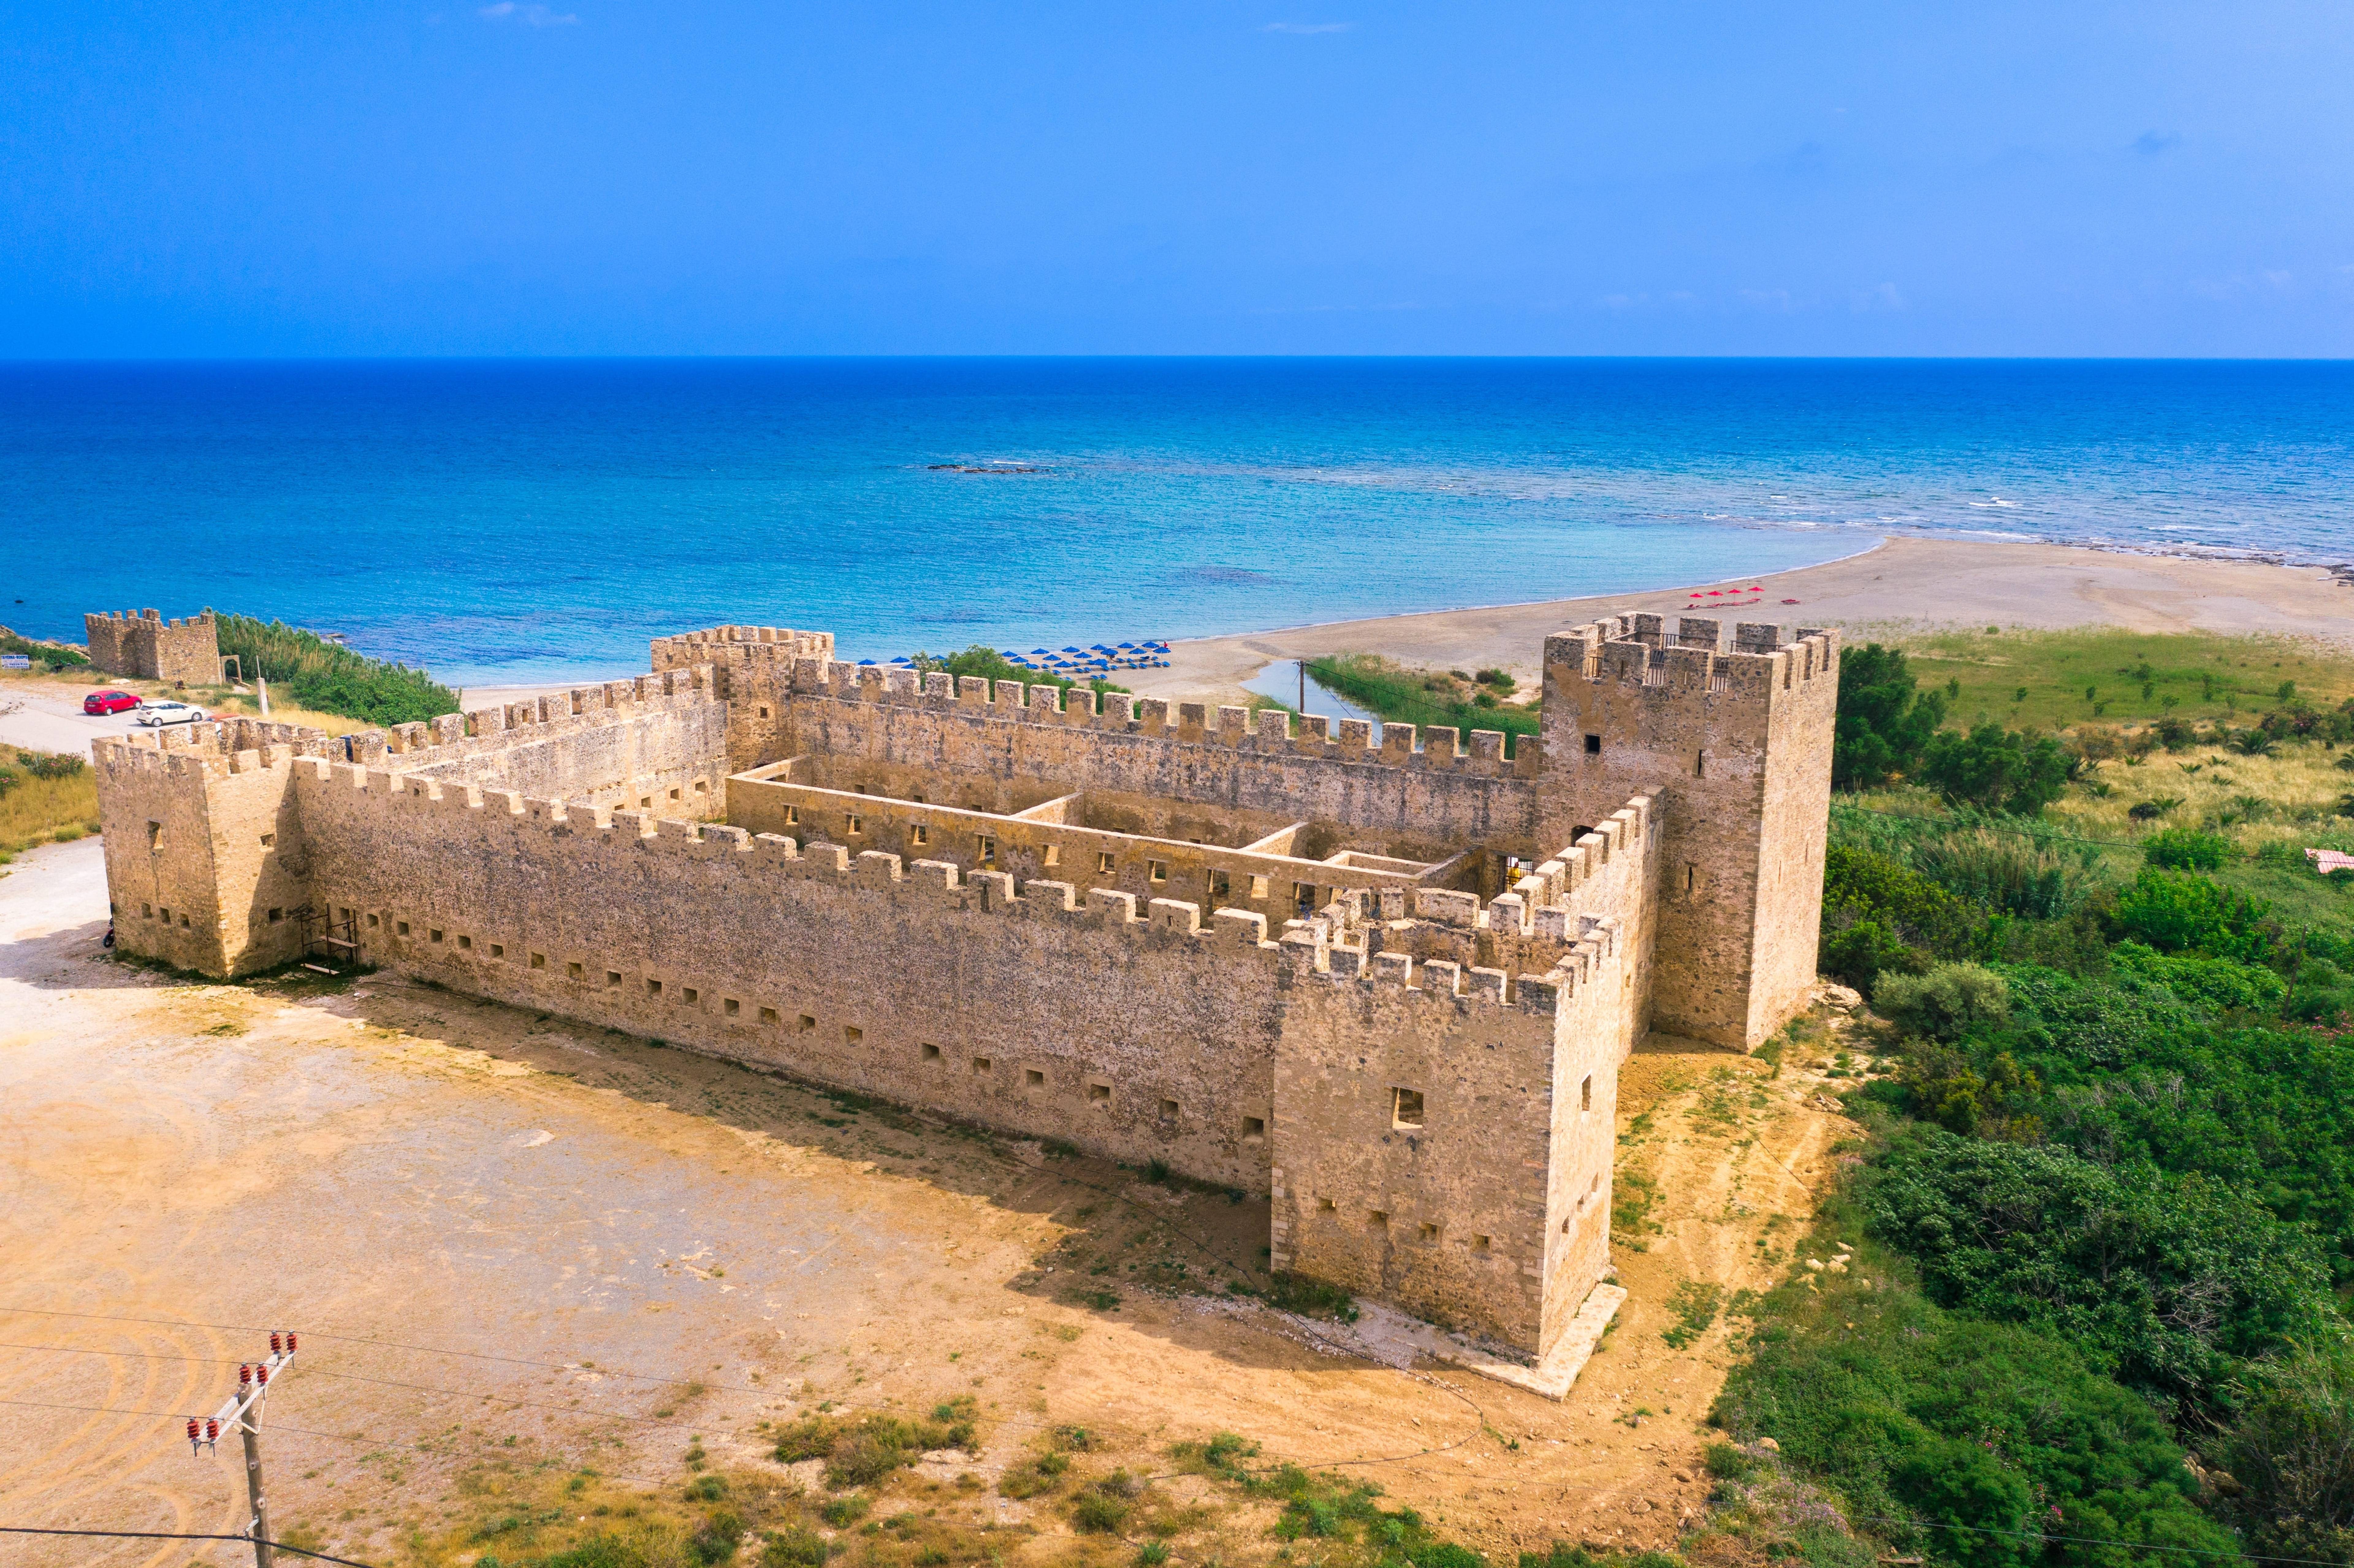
point(1409, 1038)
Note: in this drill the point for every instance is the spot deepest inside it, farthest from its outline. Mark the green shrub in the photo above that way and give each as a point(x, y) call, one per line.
point(1990, 1435)
point(313, 672)
point(1943, 1002)
point(793, 1548)
point(2161, 1281)
point(2202, 981)
point(2186, 849)
point(53, 655)
point(1311, 1297)
point(1996, 769)
point(1879, 914)
point(2181, 911)
point(715, 1540)
point(2292, 1455)
point(1421, 697)
point(987, 663)
point(1883, 722)
point(1728, 1462)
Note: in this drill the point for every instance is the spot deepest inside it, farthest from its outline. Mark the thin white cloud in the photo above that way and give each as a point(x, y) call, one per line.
point(1304, 28)
point(530, 15)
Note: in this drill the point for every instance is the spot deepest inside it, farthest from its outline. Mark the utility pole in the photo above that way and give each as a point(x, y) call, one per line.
point(243, 1413)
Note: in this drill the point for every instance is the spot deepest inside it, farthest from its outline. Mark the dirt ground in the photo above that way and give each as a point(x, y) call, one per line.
point(498, 1230)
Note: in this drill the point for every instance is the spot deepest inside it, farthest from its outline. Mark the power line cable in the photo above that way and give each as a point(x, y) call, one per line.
point(174, 1535)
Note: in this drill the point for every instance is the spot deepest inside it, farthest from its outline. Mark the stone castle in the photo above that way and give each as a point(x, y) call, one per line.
point(1389, 985)
point(142, 645)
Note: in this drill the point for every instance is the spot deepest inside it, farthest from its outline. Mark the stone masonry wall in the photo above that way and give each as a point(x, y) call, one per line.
point(1736, 748)
point(145, 646)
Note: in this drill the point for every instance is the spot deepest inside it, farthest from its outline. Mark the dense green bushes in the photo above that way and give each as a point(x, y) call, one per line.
point(987, 664)
point(1425, 697)
point(1967, 1440)
point(51, 655)
point(1883, 722)
point(313, 672)
point(2164, 1281)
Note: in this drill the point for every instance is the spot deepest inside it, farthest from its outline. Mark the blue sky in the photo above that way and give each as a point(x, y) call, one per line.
point(721, 177)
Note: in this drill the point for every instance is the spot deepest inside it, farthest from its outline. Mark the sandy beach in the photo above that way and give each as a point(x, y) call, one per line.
point(1900, 583)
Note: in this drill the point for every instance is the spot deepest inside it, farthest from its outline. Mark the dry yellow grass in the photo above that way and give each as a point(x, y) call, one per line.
point(38, 811)
point(2293, 794)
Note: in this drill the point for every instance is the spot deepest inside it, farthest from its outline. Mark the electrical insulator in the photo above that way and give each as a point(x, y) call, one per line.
point(244, 1375)
point(212, 1430)
point(290, 1341)
point(274, 1346)
point(195, 1431)
point(261, 1375)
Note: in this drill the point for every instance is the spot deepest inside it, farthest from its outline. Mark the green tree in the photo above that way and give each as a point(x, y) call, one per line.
point(1884, 721)
point(1996, 769)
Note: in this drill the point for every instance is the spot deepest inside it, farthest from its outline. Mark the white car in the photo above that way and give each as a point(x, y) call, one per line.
point(170, 713)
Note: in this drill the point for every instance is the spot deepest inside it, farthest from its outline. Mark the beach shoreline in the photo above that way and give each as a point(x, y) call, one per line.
point(1902, 582)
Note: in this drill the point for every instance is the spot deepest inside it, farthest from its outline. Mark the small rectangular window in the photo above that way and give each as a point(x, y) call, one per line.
point(373, 922)
point(154, 835)
point(1051, 855)
point(1254, 1129)
point(1034, 1078)
point(690, 996)
point(269, 840)
point(919, 834)
point(1258, 888)
point(1406, 1108)
point(183, 922)
point(1700, 764)
point(856, 826)
point(1592, 746)
point(147, 911)
point(931, 1053)
point(498, 949)
point(1168, 1110)
point(1220, 886)
point(1303, 895)
point(985, 848)
point(400, 927)
point(851, 1034)
point(433, 934)
point(1428, 1233)
point(1478, 1244)
point(731, 1007)
point(1104, 863)
point(612, 977)
point(674, 794)
point(764, 710)
point(806, 1023)
point(1157, 870)
point(1325, 1205)
point(1099, 1093)
point(278, 915)
point(1379, 1219)
point(1585, 1093)
point(645, 802)
point(980, 1064)
point(539, 961)
point(792, 816)
point(574, 971)
point(654, 988)
point(703, 786)
point(467, 943)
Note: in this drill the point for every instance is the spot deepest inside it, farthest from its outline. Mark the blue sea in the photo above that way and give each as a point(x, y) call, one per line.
point(504, 521)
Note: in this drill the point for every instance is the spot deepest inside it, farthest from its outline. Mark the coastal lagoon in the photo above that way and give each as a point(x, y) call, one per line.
point(515, 521)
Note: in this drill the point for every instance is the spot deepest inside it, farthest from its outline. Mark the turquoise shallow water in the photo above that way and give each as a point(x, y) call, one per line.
point(525, 520)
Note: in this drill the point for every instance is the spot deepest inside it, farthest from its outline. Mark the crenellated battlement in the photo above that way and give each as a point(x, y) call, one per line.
point(142, 644)
point(1388, 984)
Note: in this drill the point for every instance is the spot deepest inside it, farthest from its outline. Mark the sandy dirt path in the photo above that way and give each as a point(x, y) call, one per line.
point(493, 1224)
point(1903, 581)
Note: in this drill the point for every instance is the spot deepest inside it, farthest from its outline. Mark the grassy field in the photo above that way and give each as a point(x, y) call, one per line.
point(2054, 680)
point(36, 811)
point(1445, 698)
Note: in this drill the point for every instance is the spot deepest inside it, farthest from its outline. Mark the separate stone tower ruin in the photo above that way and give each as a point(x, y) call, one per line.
point(1387, 986)
point(142, 645)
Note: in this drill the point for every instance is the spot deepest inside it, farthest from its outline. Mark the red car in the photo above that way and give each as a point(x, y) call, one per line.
point(108, 702)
